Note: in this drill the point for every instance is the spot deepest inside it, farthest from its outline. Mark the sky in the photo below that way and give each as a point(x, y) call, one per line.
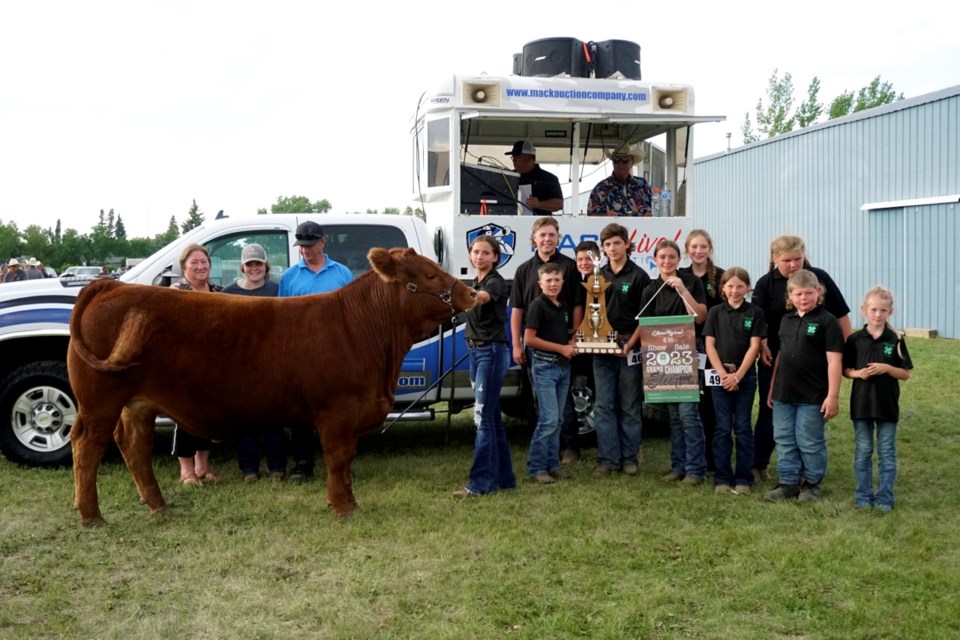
point(144, 107)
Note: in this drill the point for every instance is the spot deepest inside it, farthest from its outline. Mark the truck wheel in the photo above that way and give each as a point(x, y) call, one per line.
point(37, 412)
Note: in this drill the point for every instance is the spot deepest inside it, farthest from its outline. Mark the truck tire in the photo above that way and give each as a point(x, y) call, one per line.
point(37, 412)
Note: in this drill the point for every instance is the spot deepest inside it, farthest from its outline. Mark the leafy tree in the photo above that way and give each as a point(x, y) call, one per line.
point(299, 204)
point(194, 218)
point(10, 242)
point(873, 95)
point(120, 231)
point(261, 211)
point(409, 211)
point(391, 211)
point(111, 224)
point(775, 118)
point(37, 242)
point(810, 109)
point(56, 234)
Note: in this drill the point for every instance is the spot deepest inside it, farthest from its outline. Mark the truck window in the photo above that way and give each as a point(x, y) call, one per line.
point(349, 244)
point(225, 254)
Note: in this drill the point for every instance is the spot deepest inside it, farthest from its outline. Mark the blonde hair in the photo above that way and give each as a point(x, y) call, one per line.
point(711, 268)
point(539, 223)
point(883, 294)
point(803, 279)
point(787, 244)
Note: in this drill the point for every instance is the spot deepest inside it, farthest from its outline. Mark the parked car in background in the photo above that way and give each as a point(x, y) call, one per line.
point(80, 273)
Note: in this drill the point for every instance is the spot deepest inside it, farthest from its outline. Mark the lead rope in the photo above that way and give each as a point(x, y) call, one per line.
point(685, 303)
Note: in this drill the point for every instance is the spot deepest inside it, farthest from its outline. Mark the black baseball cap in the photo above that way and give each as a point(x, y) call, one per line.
point(308, 234)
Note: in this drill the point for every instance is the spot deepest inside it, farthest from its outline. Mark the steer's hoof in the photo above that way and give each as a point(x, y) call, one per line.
point(90, 523)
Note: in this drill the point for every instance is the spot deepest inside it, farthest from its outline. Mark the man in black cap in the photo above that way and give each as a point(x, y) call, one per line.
point(315, 273)
point(545, 194)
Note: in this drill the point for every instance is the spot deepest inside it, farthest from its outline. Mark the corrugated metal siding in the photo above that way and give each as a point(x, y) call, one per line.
point(813, 182)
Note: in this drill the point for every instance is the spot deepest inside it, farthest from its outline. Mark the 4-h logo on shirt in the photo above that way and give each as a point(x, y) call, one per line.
point(748, 323)
point(812, 329)
point(888, 350)
point(624, 288)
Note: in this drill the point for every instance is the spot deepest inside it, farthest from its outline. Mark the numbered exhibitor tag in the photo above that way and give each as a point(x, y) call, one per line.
point(634, 358)
point(711, 378)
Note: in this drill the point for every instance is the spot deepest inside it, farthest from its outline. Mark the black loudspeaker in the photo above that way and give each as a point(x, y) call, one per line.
point(553, 56)
point(518, 64)
point(618, 55)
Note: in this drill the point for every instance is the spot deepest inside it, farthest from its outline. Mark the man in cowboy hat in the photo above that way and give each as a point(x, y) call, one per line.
point(33, 272)
point(545, 194)
point(14, 272)
point(622, 194)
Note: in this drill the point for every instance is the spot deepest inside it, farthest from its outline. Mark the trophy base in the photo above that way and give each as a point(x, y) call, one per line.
point(603, 348)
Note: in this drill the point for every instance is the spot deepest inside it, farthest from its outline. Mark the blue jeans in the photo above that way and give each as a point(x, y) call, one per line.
point(886, 462)
point(618, 432)
point(551, 382)
point(686, 439)
point(492, 468)
point(763, 431)
point(732, 410)
point(798, 430)
point(248, 455)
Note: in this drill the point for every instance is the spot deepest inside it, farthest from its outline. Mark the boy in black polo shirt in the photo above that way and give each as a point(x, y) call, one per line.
point(547, 336)
point(806, 389)
point(619, 386)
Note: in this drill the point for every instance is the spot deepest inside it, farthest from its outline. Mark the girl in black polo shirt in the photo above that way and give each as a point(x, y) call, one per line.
point(732, 333)
point(876, 358)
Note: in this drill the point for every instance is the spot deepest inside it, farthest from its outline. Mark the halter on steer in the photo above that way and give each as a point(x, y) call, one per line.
point(446, 295)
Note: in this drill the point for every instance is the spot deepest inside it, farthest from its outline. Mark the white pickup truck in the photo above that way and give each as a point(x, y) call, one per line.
point(37, 408)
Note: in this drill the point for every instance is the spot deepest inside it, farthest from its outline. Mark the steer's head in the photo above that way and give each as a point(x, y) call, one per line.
point(435, 290)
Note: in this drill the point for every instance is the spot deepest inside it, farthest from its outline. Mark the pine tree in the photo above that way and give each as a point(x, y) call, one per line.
point(194, 218)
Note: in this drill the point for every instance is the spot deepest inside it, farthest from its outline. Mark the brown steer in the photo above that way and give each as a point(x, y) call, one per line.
point(218, 364)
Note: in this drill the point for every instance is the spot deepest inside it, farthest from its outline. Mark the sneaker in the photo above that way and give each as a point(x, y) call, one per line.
point(886, 508)
point(301, 473)
point(743, 489)
point(759, 475)
point(631, 469)
point(465, 493)
point(864, 505)
point(543, 478)
point(277, 476)
point(782, 492)
point(691, 481)
point(721, 488)
point(250, 478)
point(570, 457)
point(671, 476)
point(602, 471)
point(810, 492)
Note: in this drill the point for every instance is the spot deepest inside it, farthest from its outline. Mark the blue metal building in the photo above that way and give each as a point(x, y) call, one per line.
point(874, 195)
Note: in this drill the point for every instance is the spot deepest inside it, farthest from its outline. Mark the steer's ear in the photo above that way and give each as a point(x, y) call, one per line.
point(383, 263)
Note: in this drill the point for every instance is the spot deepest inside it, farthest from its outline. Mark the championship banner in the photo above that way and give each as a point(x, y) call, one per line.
point(668, 349)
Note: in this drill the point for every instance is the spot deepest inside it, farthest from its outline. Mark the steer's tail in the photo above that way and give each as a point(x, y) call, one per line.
point(129, 337)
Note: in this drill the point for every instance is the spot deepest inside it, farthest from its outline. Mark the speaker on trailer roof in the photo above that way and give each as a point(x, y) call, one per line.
point(553, 56)
point(618, 55)
point(518, 64)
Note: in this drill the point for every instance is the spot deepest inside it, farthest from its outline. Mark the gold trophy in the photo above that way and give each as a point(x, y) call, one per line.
point(595, 335)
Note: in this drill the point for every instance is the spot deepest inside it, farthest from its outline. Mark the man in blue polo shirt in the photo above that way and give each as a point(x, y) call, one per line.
point(315, 273)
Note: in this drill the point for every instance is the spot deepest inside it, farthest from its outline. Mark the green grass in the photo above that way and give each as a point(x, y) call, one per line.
point(616, 558)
